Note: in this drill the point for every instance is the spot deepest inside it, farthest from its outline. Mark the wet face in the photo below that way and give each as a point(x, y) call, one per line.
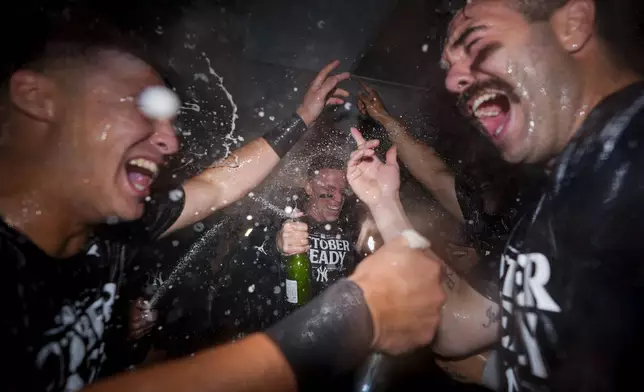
point(326, 193)
point(107, 153)
point(512, 78)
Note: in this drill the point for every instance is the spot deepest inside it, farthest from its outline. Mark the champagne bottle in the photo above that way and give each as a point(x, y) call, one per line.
point(298, 279)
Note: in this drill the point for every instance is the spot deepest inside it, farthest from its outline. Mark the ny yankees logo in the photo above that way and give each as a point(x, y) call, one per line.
point(323, 274)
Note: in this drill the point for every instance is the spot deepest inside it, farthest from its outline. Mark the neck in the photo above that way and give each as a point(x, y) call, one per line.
point(51, 225)
point(602, 76)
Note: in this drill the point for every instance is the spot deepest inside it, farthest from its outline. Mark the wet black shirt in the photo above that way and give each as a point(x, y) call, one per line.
point(572, 275)
point(57, 313)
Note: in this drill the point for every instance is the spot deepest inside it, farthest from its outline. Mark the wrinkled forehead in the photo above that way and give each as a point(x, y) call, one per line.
point(331, 178)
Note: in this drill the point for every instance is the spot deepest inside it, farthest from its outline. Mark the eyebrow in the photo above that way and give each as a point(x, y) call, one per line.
point(463, 37)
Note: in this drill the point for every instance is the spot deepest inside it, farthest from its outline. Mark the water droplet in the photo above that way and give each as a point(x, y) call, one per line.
point(199, 227)
point(327, 227)
point(251, 288)
point(320, 24)
point(295, 197)
point(295, 89)
point(424, 48)
point(175, 243)
point(261, 114)
point(347, 106)
point(288, 209)
point(272, 118)
point(277, 290)
point(176, 194)
point(227, 312)
point(249, 217)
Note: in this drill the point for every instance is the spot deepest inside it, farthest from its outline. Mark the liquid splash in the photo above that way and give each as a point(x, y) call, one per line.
point(229, 139)
point(270, 206)
point(186, 260)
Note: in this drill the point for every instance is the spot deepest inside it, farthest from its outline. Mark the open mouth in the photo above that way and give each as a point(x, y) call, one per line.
point(492, 110)
point(141, 173)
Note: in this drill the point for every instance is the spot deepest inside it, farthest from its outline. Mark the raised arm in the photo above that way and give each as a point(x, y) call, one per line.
point(469, 320)
point(422, 160)
point(229, 180)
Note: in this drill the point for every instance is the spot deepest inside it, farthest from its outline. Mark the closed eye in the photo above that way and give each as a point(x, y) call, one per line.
point(468, 47)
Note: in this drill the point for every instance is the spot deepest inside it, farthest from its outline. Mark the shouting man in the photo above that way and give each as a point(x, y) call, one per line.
point(80, 147)
point(548, 82)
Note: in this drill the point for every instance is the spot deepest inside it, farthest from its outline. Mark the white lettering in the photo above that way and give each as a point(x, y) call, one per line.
point(324, 258)
point(537, 276)
point(313, 256)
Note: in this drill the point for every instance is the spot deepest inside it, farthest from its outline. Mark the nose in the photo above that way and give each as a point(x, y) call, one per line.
point(458, 78)
point(338, 196)
point(164, 138)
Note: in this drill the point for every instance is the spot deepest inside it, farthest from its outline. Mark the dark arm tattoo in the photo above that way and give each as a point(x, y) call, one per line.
point(449, 277)
point(492, 317)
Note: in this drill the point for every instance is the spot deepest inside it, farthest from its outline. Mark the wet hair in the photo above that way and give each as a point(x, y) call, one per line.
point(55, 41)
point(618, 23)
point(324, 162)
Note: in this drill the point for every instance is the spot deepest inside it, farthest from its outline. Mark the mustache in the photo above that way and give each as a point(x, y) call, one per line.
point(478, 87)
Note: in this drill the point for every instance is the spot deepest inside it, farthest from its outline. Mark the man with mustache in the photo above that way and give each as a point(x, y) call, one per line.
point(80, 147)
point(549, 83)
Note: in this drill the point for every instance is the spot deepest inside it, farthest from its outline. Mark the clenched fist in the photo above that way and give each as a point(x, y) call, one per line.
point(403, 291)
point(293, 238)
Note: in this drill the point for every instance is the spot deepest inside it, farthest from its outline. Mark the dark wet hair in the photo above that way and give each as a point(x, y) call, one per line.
point(618, 23)
point(325, 162)
point(53, 40)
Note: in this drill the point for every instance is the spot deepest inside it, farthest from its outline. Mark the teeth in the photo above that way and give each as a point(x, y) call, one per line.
point(482, 99)
point(139, 187)
point(146, 164)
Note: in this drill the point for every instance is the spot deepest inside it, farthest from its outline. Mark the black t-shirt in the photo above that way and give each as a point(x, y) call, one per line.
point(572, 275)
point(57, 312)
point(333, 255)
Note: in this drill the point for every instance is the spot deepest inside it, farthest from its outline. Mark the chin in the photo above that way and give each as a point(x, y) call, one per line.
point(130, 211)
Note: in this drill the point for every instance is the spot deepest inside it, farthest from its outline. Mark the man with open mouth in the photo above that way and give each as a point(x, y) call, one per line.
point(86, 126)
point(327, 237)
point(549, 82)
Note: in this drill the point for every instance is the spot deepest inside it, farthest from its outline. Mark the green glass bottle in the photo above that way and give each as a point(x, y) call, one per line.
point(298, 279)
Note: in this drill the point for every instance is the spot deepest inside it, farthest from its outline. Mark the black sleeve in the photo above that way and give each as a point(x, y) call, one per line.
point(22, 374)
point(162, 210)
point(600, 237)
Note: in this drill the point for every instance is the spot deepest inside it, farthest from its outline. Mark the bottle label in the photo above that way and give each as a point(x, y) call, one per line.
point(291, 291)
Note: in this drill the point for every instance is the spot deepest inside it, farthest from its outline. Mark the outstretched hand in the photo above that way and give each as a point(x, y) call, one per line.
point(323, 91)
point(370, 104)
point(372, 180)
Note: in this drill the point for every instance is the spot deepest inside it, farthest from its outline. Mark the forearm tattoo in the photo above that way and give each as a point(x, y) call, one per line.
point(449, 277)
point(492, 317)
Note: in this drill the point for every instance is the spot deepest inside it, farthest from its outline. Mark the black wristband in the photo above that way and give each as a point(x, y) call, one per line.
point(328, 336)
point(284, 136)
